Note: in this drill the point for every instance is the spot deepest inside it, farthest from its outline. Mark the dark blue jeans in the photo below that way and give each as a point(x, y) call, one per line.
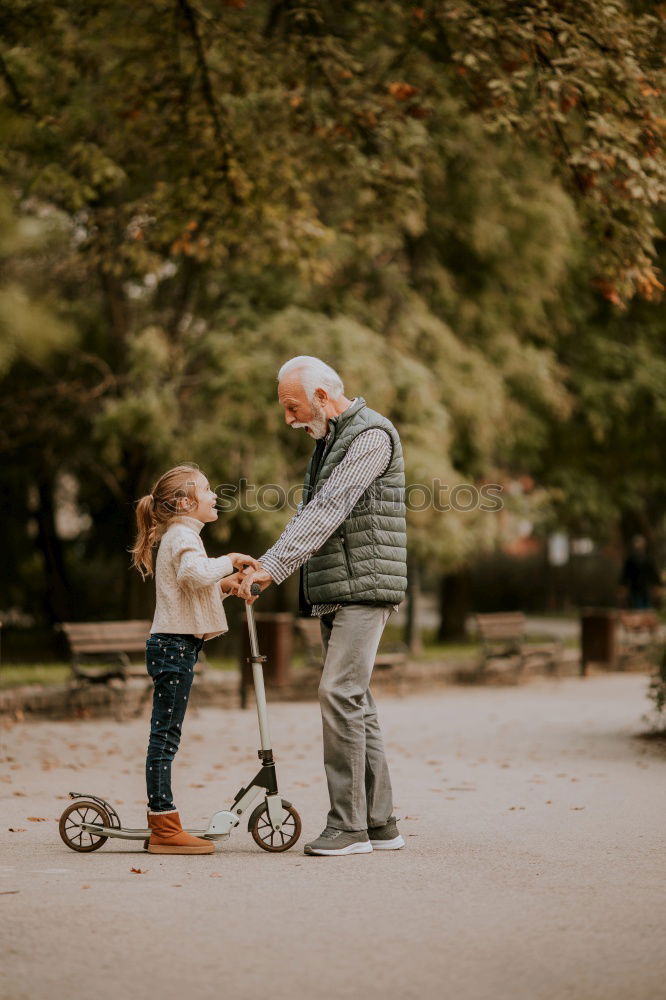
point(170, 660)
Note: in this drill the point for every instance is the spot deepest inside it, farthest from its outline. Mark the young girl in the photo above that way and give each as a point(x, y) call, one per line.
point(189, 590)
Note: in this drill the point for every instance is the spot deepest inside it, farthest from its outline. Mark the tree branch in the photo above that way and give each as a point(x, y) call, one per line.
point(18, 98)
point(206, 86)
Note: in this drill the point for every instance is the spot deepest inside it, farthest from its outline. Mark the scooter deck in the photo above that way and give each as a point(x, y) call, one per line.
point(123, 833)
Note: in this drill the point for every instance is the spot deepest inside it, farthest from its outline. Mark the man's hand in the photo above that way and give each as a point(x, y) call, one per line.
point(240, 561)
point(260, 576)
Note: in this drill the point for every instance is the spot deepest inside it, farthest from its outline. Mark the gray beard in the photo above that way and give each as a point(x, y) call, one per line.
point(318, 424)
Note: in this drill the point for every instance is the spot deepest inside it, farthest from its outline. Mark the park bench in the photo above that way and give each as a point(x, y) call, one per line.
point(101, 654)
point(638, 637)
point(504, 643)
point(101, 650)
point(310, 633)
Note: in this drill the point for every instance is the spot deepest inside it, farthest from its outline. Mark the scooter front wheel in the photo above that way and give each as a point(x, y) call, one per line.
point(80, 812)
point(272, 840)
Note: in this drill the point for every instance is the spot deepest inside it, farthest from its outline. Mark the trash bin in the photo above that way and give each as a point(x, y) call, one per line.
point(275, 635)
point(597, 637)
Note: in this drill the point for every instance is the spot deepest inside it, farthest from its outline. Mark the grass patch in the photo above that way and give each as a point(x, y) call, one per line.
point(222, 663)
point(18, 674)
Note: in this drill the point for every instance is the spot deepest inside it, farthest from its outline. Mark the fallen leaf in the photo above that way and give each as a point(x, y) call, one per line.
point(85, 886)
point(37, 819)
point(17, 829)
point(216, 875)
point(138, 871)
point(10, 892)
point(577, 808)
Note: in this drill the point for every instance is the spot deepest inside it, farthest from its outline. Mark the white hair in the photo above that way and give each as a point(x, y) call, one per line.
point(313, 374)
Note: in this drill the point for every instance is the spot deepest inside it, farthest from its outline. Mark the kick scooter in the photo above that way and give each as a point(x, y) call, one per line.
point(274, 823)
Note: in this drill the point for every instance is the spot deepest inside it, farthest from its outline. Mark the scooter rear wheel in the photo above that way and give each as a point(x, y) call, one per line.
point(83, 811)
point(272, 840)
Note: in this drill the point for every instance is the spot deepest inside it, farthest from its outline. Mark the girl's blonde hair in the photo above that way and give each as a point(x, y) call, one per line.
point(174, 493)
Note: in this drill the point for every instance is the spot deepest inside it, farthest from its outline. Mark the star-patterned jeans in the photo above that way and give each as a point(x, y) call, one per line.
point(170, 660)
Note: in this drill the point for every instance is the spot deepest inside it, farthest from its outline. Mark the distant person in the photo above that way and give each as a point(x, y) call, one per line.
point(190, 589)
point(639, 575)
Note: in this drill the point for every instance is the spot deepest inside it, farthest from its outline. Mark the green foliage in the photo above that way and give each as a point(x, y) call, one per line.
point(584, 80)
point(431, 197)
point(30, 327)
point(605, 464)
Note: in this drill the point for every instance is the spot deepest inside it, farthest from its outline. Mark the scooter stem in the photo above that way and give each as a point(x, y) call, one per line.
point(258, 677)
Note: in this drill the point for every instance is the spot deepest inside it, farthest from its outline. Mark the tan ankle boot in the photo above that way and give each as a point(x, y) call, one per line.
point(168, 837)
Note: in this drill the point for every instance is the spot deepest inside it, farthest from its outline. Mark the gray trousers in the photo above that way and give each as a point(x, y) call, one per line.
point(359, 786)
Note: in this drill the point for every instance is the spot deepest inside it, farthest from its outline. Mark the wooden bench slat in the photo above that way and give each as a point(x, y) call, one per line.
point(94, 629)
point(502, 632)
point(102, 637)
point(108, 646)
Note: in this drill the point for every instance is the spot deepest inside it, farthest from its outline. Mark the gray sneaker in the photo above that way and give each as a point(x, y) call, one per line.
point(337, 842)
point(386, 837)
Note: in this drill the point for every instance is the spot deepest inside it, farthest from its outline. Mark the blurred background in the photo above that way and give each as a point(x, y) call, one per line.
point(457, 205)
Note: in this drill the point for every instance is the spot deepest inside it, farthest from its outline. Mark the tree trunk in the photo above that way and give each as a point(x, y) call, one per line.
point(137, 596)
point(118, 318)
point(57, 604)
point(453, 606)
point(413, 639)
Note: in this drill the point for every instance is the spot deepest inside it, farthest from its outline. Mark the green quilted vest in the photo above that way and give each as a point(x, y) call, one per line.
point(365, 559)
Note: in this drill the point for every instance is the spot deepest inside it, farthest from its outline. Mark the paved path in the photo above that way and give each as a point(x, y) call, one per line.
point(534, 867)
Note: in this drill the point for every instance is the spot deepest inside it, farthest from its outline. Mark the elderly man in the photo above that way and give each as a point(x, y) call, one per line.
point(348, 539)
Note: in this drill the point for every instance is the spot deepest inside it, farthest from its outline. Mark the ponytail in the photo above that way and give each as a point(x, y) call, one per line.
point(146, 536)
point(174, 493)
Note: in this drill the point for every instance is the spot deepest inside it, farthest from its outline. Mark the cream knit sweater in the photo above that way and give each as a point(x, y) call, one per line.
point(189, 599)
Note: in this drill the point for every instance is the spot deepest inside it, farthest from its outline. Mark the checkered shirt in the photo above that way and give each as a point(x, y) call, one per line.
point(366, 458)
